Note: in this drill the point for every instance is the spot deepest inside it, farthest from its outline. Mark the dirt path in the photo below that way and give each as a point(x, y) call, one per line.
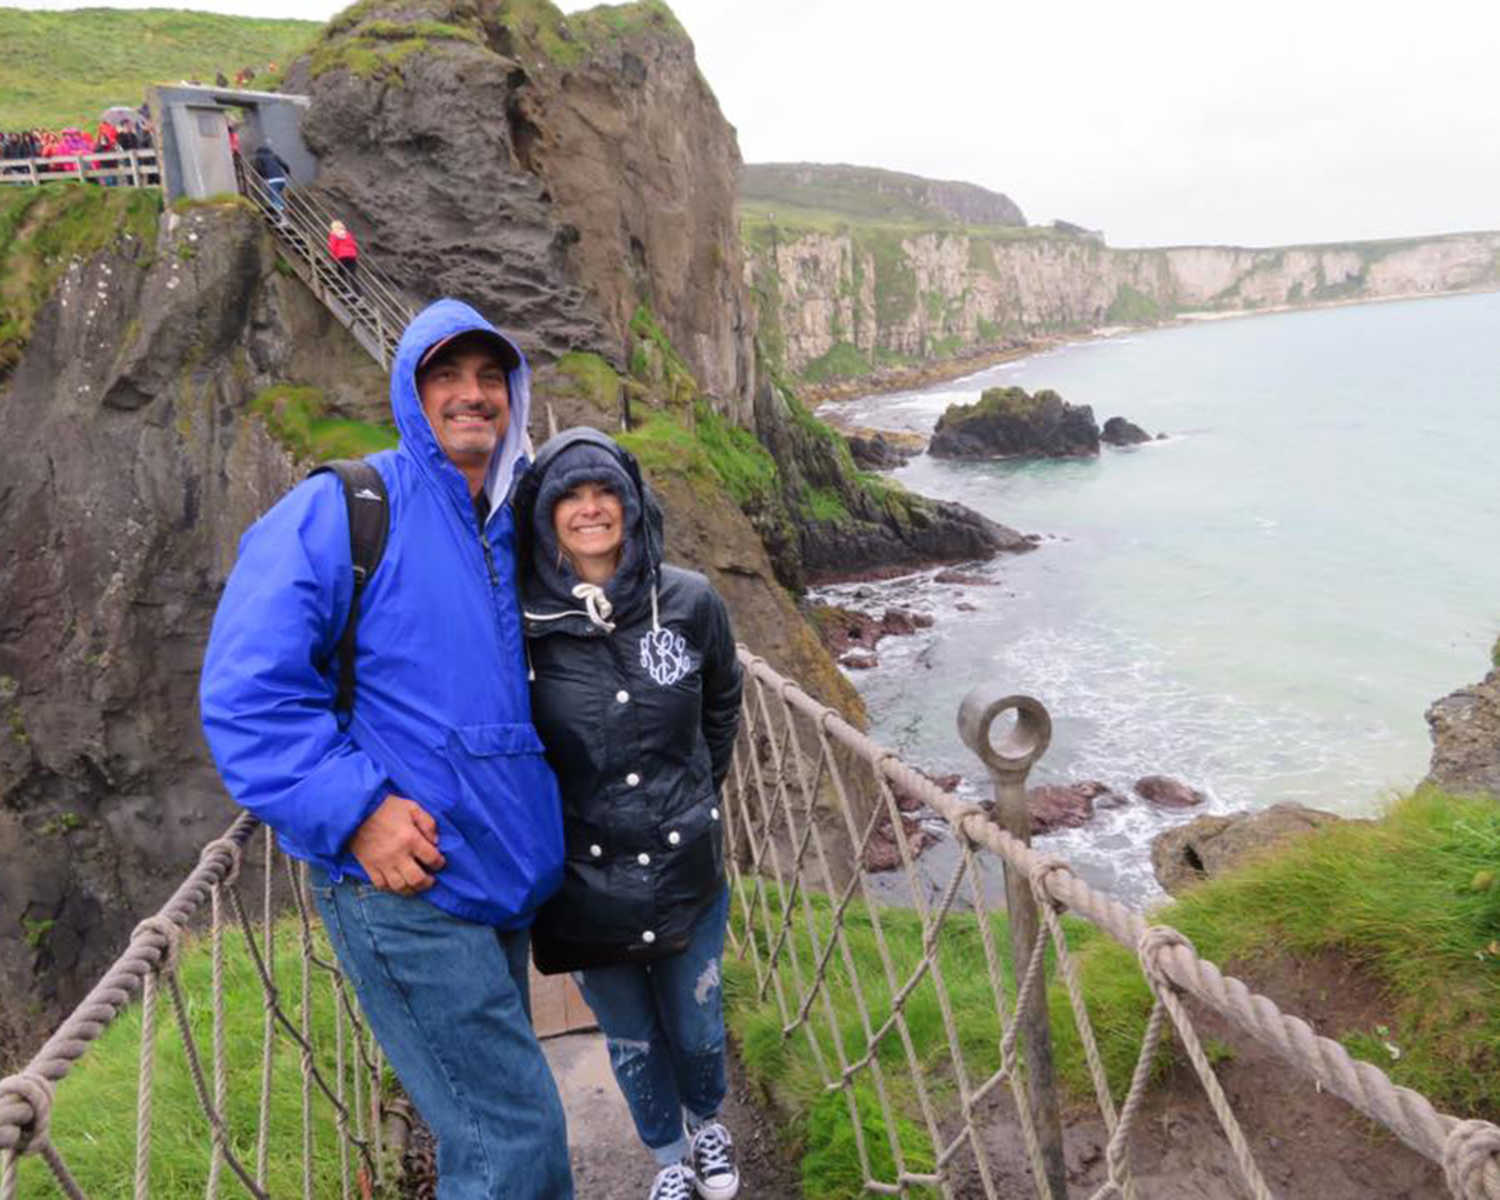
point(609, 1162)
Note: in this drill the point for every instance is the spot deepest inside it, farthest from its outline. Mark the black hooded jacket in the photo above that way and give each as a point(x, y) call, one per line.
point(636, 695)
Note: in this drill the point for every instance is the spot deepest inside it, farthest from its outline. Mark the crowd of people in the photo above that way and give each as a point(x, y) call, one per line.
point(67, 146)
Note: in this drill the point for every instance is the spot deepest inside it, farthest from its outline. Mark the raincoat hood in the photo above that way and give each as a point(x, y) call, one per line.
point(439, 321)
point(555, 600)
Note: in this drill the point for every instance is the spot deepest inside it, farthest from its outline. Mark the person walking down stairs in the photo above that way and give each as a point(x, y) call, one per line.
point(345, 252)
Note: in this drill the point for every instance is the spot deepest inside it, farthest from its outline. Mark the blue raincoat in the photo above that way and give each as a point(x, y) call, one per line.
point(441, 713)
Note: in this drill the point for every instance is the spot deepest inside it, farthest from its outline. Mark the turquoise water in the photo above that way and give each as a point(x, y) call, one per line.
point(1264, 603)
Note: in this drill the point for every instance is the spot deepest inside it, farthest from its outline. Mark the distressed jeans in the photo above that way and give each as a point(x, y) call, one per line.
point(664, 1024)
point(450, 1004)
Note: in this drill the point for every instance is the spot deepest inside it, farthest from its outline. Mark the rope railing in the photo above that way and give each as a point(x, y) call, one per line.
point(899, 997)
point(341, 1083)
point(808, 798)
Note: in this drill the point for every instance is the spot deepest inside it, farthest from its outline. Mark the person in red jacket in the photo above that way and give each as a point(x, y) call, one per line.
point(345, 252)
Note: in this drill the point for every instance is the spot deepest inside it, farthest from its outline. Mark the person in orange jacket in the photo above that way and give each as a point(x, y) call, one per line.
point(345, 252)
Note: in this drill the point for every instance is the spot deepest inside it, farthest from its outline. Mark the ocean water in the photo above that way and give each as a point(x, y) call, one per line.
point(1262, 604)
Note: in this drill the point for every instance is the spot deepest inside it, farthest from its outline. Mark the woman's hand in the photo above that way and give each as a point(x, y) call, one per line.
point(397, 847)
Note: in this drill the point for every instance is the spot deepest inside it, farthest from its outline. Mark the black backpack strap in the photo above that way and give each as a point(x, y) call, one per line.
point(369, 523)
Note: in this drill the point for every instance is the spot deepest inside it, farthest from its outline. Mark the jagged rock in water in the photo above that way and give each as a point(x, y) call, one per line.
point(1208, 846)
point(1166, 792)
point(1118, 431)
point(1066, 806)
point(1011, 423)
point(1465, 731)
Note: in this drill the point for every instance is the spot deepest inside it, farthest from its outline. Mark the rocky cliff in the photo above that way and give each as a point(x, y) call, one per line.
point(555, 171)
point(574, 177)
point(1465, 730)
point(132, 465)
point(841, 299)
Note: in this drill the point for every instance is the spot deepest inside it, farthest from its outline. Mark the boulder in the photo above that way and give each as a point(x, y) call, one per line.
point(1066, 806)
point(1465, 731)
point(875, 453)
point(1167, 792)
point(881, 851)
point(963, 578)
point(844, 629)
point(1208, 846)
point(1011, 423)
point(1118, 431)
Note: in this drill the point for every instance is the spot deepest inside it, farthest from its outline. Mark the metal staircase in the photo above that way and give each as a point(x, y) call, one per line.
point(372, 310)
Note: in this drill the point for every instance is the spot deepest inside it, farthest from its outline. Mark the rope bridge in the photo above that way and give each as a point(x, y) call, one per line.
point(809, 800)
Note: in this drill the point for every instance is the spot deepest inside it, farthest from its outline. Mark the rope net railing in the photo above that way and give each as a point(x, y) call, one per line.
point(898, 1002)
point(254, 1073)
point(251, 1071)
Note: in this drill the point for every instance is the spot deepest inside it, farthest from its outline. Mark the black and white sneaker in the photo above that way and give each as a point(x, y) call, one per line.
point(712, 1156)
point(673, 1183)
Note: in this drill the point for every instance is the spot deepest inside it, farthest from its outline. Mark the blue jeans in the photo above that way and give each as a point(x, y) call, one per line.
point(450, 1004)
point(664, 1025)
point(276, 185)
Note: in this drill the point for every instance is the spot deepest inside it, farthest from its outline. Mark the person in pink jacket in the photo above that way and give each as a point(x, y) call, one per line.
point(345, 252)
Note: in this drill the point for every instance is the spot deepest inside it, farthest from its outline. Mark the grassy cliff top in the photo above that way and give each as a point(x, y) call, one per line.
point(65, 68)
point(874, 194)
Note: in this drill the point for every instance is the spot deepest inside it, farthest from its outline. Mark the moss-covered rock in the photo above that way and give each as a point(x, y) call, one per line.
point(1011, 422)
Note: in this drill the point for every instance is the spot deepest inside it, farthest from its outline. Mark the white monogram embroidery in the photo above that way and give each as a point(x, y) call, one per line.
point(664, 656)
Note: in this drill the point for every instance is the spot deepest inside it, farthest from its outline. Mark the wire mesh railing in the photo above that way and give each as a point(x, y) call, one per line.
point(905, 1009)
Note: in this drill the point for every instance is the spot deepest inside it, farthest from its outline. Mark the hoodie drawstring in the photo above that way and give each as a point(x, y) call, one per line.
point(655, 619)
point(596, 607)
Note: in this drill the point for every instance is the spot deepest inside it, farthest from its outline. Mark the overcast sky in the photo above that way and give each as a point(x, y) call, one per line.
point(1158, 121)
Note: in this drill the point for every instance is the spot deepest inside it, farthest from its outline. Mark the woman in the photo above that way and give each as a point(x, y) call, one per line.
point(636, 694)
point(345, 252)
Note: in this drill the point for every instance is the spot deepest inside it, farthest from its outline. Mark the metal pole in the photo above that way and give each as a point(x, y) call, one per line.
point(1008, 759)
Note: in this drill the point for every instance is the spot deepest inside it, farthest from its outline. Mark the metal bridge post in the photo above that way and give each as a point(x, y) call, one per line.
point(1008, 755)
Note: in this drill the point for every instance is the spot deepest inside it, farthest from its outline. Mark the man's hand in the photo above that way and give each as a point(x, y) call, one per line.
point(397, 847)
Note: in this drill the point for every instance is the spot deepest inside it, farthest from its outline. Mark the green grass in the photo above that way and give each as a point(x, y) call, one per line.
point(294, 415)
point(843, 361)
point(1410, 900)
point(43, 229)
point(93, 1117)
point(1132, 307)
point(65, 68)
point(378, 49)
point(711, 454)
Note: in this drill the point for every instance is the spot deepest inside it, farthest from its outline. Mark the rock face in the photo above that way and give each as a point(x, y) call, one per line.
point(1465, 731)
point(1010, 423)
point(1118, 431)
point(555, 171)
point(872, 292)
point(132, 467)
point(1209, 846)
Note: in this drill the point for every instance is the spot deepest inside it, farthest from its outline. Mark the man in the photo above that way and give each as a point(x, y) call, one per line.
point(271, 167)
point(427, 814)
